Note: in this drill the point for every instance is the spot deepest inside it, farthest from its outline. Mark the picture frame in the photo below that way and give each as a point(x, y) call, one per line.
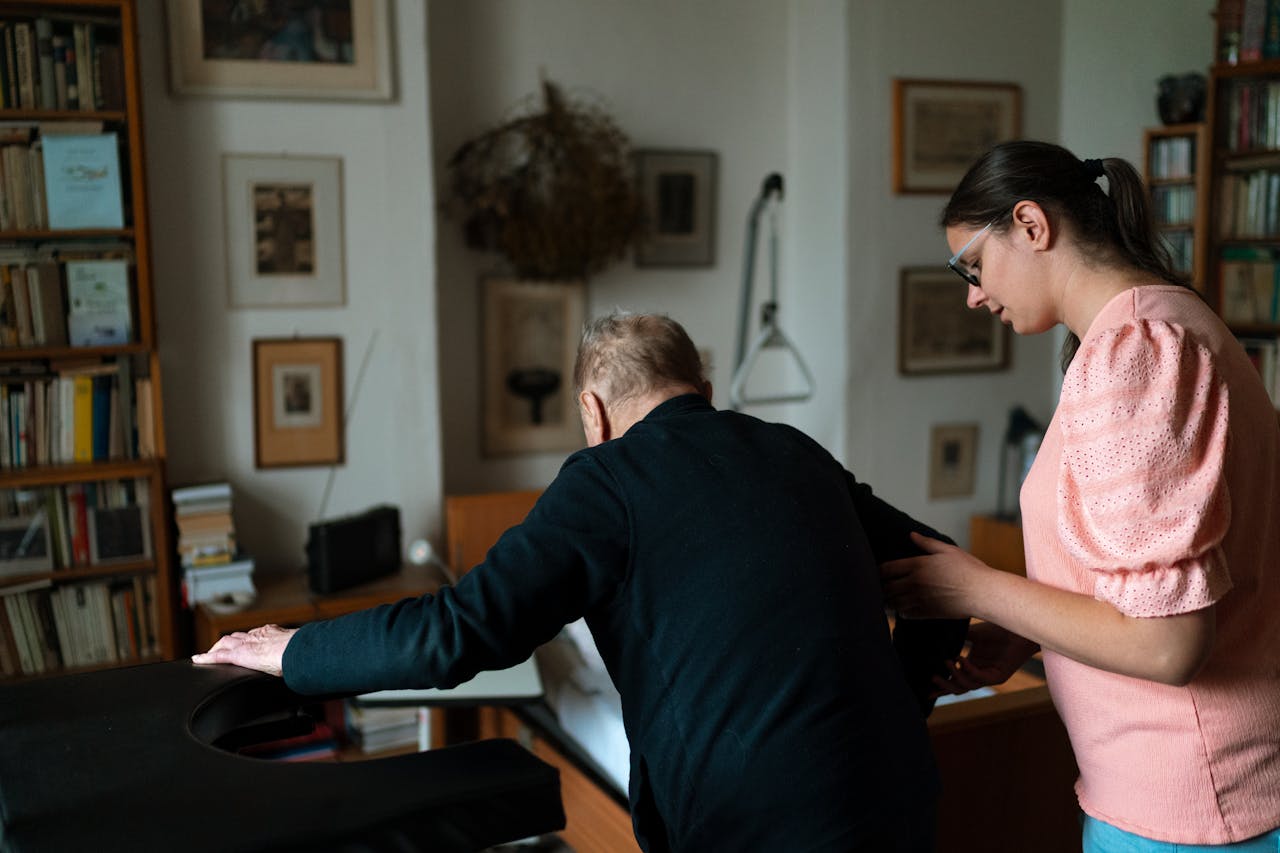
point(678, 194)
point(26, 545)
point(938, 333)
point(953, 452)
point(529, 344)
point(119, 534)
point(346, 54)
point(297, 402)
point(284, 231)
point(942, 127)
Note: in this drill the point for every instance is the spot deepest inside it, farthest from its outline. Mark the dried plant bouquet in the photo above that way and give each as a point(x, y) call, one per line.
point(552, 191)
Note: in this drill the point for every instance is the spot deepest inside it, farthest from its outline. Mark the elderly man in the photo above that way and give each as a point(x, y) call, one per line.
point(727, 569)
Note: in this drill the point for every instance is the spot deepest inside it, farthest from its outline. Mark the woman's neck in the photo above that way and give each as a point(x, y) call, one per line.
point(1088, 289)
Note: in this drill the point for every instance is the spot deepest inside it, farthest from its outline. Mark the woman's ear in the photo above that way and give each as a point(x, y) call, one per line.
point(1031, 224)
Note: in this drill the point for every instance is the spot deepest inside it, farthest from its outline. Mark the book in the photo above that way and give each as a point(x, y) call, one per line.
point(98, 311)
point(48, 312)
point(82, 181)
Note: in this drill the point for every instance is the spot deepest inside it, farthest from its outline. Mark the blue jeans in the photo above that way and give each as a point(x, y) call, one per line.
point(1100, 837)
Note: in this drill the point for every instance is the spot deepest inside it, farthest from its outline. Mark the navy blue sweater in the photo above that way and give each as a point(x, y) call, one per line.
point(727, 568)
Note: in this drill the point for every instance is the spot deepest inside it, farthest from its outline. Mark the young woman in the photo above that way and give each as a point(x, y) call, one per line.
point(1149, 516)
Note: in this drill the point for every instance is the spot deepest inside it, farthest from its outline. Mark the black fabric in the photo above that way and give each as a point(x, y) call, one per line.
point(123, 760)
point(727, 568)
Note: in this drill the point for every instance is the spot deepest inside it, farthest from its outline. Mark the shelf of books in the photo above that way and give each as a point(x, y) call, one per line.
point(1244, 164)
point(85, 565)
point(1176, 171)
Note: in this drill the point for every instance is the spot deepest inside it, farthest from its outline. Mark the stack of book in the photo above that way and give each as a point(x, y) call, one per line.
point(213, 569)
point(383, 729)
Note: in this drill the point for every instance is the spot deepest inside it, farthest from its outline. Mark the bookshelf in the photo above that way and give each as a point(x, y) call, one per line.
point(1176, 170)
point(85, 567)
point(1244, 198)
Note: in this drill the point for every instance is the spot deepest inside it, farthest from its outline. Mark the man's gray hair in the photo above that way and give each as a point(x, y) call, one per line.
point(628, 355)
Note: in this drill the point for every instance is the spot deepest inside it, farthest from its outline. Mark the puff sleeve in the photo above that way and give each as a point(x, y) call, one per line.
point(1142, 498)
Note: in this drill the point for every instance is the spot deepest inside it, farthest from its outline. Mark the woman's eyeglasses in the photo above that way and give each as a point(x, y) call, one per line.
point(960, 269)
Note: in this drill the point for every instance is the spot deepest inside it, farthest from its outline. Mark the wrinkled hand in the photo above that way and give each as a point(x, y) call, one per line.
point(935, 585)
point(994, 655)
point(261, 649)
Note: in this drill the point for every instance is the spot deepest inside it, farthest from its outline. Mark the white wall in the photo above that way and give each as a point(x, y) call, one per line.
point(673, 74)
point(1109, 70)
point(890, 416)
point(392, 443)
point(801, 87)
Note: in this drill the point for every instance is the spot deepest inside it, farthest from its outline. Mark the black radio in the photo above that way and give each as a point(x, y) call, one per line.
point(354, 549)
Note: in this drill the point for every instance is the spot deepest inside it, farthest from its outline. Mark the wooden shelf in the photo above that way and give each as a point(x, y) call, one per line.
point(52, 475)
point(151, 579)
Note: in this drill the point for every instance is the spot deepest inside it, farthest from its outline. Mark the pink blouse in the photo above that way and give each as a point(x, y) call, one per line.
point(1157, 489)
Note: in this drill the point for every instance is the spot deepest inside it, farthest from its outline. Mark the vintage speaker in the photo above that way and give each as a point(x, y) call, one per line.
point(354, 549)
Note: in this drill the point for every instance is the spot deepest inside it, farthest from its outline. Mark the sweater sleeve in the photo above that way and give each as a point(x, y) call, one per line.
point(1142, 497)
point(568, 556)
point(924, 646)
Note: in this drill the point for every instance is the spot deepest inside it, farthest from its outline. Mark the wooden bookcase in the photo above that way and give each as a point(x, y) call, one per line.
point(127, 579)
point(1176, 170)
point(1243, 203)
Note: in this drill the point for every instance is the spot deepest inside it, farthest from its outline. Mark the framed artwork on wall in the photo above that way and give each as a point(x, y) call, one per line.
point(297, 402)
point(953, 452)
point(938, 333)
point(529, 342)
point(678, 192)
point(310, 49)
point(284, 231)
point(941, 127)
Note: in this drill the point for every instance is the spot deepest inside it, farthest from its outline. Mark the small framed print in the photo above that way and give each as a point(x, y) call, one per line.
point(119, 534)
point(678, 191)
point(284, 231)
point(530, 343)
point(939, 333)
point(25, 545)
point(942, 127)
point(953, 451)
point(297, 394)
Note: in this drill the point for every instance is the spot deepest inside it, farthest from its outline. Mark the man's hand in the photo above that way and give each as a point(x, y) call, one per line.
point(261, 649)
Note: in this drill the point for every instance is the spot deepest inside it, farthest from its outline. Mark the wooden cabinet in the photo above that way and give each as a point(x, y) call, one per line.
point(1176, 170)
point(288, 601)
point(85, 568)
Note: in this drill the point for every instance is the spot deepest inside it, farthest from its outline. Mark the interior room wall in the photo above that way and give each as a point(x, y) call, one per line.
point(392, 437)
point(890, 416)
point(708, 75)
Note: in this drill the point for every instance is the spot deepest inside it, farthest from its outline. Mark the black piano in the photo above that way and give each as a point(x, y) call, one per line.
point(143, 759)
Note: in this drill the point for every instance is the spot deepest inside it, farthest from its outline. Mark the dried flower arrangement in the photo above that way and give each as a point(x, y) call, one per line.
point(551, 191)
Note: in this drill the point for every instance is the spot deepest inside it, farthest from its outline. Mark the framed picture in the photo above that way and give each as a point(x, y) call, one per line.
point(941, 127)
point(325, 49)
point(953, 451)
point(284, 231)
point(119, 534)
point(25, 545)
point(678, 191)
point(297, 402)
point(530, 341)
point(938, 333)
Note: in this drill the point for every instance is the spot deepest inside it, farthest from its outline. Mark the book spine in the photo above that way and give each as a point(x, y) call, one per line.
point(44, 61)
point(24, 59)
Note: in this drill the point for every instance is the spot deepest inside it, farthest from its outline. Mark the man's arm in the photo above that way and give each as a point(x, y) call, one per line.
point(567, 557)
point(925, 647)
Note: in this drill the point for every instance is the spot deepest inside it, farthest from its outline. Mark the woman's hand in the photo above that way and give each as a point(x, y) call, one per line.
point(940, 584)
point(994, 655)
point(261, 649)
